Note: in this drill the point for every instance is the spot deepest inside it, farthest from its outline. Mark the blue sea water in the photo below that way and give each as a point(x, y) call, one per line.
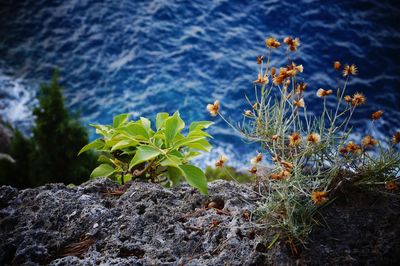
point(150, 56)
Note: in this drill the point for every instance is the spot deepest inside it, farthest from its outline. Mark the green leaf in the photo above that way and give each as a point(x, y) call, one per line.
point(198, 125)
point(124, 144)
point(175, 175)
point(120, 119)
point(104, 170)
point(143, 154)
point(173, 126)
point(202, 145)
point(146, 123)
point(160, 119)
point(171, 160)
point(195, 177)
point(186, 141)
point(134, 130)
point(96, 144)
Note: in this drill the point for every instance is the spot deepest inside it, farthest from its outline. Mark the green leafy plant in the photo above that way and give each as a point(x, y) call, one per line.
point(133, 149)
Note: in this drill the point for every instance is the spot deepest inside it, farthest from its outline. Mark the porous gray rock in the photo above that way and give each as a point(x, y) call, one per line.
point(147, 224)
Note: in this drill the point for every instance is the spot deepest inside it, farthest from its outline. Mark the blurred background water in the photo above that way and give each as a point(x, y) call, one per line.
point(150, 56)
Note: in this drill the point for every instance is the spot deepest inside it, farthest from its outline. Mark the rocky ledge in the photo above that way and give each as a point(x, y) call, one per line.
point(99, 223)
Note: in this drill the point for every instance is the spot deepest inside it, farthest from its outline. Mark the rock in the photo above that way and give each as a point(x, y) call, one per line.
point(150, 225)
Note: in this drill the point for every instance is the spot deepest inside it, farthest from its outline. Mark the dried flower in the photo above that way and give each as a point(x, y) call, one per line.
point(292, 43)
point(293, 69)
point(253, 170)
point(273, 71)
point(255, 106)
point(351, 147)
point(283, 74)
point(377, 115)
point(314, 138)
point(221, 161)
point(350, 70)
point(288, 166)
point(260, 59)
point(256, 159)
point(358, 99)
point(319, 197)
point(337, 65)
point(299, 103)
point(281, 175)
point(248, 113)
point(396, 138)
point(368, 141)
point(261, 79)
point(301, 87)
point(294, 139)
point(347, 98)
point(343, 150)
point(391, 185)
point(275, 137)
point(213, 108)
point(272, 43)
point(322, 93)
point(276, 158)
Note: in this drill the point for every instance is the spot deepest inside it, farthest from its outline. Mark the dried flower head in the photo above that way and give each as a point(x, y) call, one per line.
point(292, 43)
point(257, 159)
point(299, 103)
point(358, 99)
point(343, 150)
point(276, 158)
point(273, 71)
point(213, 108)
point(293, 69)
point(396, 138)
point(301, 87)
point(260, 59)
point(294, 139)
point(322, 93)
point(351, 147)
point(377, 115)
point(391, 185)
point(261, 79)
point(281, 175)
point(313, 138)
point(337, 65)
point(350, 70)
point(275, 137)
point(248, 113)
point(272, 43)
point(288, 166)
point(283, 74)
point(255, 106)
point(221, 161)
point(347, 98)
point(368, 141)
point(319, 197)
point(253, 170)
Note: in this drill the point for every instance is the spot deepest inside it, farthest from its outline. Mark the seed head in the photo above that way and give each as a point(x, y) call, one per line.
point(368, 141)
point(377, 115)
point(248, 113)
point(301, 87)
point(299, 103)
point(292, 43)
point(253, 170)
point(391, 185)
point(322, 93)
point(213, 108)
point(314, 138)
point(261, 79)
point(396, 138)
point(337, 65)
point(221, 161)
point(260, 59)
point(319, 197)
point(358, 99)
point(272, 43)
point(350, 70)
point(257, 159)
point(347, 98)
point(294, 139)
